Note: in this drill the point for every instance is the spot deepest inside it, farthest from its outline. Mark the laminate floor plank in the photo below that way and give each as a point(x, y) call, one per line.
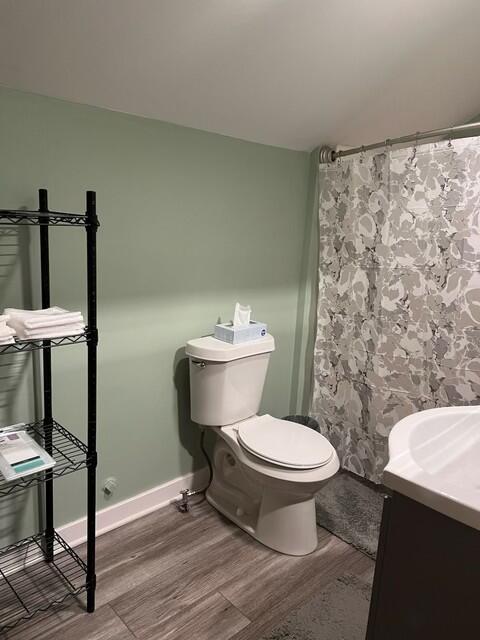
point(73, 624)
point(161, 602)
point(150, 546)
point(256, 592)
point(213, 618)
point(131, 554)
point(267, 599)
point(195, 576)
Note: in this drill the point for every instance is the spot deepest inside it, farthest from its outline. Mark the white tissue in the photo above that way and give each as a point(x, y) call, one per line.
point(241, 317)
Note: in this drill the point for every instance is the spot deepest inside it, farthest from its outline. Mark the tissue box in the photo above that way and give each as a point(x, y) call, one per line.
point(236, 335)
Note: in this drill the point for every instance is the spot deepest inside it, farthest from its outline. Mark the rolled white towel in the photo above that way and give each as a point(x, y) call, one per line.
point(4, 318)
point(52, 332)
point(38, 322)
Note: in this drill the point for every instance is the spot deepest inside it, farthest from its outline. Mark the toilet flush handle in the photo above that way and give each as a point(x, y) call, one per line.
point(199, 363)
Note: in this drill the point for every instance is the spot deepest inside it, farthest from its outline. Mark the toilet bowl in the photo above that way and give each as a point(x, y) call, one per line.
point(273, 502)
point(266, 471)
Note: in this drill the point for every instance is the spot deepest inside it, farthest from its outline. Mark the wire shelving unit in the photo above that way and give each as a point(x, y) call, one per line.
point(43, 571)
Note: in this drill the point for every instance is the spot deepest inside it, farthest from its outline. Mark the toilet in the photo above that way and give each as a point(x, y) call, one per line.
point(266, 471)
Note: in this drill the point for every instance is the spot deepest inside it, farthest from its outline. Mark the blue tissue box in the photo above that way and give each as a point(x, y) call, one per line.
point(236, 335)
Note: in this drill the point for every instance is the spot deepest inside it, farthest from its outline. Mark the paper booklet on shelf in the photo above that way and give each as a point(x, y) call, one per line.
point(20, 455)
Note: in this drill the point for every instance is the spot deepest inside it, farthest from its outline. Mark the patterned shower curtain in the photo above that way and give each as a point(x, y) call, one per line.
point(398, 321)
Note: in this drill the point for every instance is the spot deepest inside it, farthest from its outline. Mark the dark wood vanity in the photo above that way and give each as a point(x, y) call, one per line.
point(427, 576)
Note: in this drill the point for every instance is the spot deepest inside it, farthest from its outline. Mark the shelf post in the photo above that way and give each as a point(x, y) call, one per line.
point(91, 227)
point(47, 374)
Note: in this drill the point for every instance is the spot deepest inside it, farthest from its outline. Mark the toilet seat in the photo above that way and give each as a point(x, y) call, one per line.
point(283, 443)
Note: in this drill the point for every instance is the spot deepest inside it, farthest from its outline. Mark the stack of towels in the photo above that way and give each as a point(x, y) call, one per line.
point(42, 324)
point(6, 333)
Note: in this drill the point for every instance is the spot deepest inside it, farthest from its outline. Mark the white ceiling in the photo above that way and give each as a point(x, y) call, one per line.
point(292, 73)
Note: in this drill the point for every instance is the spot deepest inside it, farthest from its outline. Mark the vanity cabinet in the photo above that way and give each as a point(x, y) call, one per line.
point(427, 576)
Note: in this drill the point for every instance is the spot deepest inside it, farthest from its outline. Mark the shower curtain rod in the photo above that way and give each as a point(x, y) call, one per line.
point(328, 154)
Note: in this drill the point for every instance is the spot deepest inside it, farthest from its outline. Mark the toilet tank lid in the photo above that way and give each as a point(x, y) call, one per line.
point(215, 350)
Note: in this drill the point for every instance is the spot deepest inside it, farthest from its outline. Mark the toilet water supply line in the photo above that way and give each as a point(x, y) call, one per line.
point(183, 505)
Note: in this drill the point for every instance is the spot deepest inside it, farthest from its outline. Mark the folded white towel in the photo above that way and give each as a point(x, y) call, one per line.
point(6, 332)
point(17, 325)
point(34, 312)
point(6, 341)
point(52, 332)
point(37, 322)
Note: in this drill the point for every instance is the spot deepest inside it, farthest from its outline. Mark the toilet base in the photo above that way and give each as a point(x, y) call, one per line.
point(280, 524)
point(276, 506)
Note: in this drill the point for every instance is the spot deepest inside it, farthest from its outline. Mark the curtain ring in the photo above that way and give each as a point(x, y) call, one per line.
point(450, 145)
point(362, 153)
point(414, 150)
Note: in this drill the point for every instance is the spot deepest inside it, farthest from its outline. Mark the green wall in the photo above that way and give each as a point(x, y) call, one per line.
point(191, 222)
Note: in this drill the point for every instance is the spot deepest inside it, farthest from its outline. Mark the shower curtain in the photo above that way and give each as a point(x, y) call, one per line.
point(398, 318)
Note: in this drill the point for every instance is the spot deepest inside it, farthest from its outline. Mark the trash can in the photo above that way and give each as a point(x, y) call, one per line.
point(307, 421)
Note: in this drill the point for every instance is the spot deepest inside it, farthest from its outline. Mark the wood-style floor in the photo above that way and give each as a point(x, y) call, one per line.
point(195, 576)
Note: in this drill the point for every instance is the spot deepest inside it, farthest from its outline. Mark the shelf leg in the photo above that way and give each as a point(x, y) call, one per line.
point(91, 577)
point(92, 224)
point(47, 377)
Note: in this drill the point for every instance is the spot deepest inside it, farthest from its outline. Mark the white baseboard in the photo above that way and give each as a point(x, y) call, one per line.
point(74, 533)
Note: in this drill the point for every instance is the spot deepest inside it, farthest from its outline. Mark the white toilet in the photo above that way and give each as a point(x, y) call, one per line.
point(266, 471)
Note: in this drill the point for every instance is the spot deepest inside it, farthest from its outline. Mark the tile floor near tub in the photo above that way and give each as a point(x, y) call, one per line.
point(195, 576)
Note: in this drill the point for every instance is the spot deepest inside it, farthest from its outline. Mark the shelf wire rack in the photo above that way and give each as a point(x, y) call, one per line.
point(25, 346)
point(29, 585)
point(69, 453)
point(52, 218)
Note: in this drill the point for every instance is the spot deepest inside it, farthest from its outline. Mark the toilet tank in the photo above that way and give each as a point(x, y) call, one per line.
point(226, 380)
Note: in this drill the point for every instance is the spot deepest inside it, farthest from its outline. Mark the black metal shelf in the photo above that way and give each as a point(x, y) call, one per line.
point(53, 218)
point(69, 453)
point(42, 571)
point(24, 346)
point(29, 585)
